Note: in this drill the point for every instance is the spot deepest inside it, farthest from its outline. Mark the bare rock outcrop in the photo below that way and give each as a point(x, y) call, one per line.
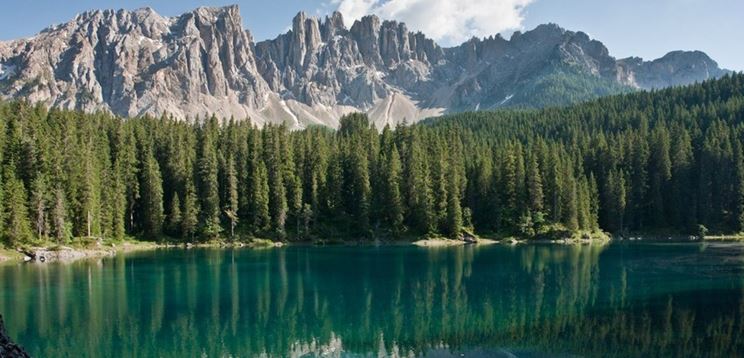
point(137, 62)
point(134, 63)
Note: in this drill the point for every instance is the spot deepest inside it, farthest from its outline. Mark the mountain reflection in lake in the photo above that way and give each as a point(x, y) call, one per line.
point(533, 300)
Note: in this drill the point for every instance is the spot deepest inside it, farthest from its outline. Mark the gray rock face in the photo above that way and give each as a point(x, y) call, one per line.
point(134, 63)
point(676, 68)
point(203, 62)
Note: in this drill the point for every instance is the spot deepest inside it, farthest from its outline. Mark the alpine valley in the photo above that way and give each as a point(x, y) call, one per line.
point(134, 63)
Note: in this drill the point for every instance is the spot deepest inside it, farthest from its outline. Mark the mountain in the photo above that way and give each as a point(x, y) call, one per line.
point(203, 62)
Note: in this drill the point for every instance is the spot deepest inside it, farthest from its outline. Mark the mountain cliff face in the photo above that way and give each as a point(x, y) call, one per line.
point(139, 62)
point(203, 62)
point(676, 68)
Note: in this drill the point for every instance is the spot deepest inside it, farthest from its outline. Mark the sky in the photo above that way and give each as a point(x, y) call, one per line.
point(644, 28)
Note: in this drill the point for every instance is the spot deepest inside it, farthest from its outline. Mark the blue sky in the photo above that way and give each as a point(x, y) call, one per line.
point(645, 28)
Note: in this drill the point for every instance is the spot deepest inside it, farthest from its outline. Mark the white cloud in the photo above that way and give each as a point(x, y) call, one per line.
point(446, 21)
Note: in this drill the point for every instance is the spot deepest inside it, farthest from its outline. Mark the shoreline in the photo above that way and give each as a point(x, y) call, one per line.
point(48, 254)
point(68, 254)
point(442, 242)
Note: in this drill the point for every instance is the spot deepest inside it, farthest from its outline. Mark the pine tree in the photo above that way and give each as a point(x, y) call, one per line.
point(59, 216)
point(682, 203)
point(261, 214)
point(17, 226)
point(174, 216)
point(419, 190)
point(39, 206)
point(152, 197)
point(584, 205)
point(359, 190)
point(615, 200)
point(637, 201)
point(231, 210)
point(440, 185)
point(118, 205)
point(739, 187)
point(511, 180)
point(333, 203)
point(454, 209)
point(277, 191)
point(593, 203)
point(129, 172)
point(534, 186)
point(190, 212)
point(208, 182)
point(571, 206)
point(257, 207)
point(660, 168)
point(292, 181)
point(393, 202)
point(87, 218)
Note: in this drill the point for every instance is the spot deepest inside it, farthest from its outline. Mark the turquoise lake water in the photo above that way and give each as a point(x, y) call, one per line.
point(625, 299)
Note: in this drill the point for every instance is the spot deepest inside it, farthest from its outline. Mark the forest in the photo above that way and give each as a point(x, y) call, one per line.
point(668, 161)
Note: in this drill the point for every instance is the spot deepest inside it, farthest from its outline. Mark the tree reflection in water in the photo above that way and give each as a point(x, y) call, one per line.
point(621, 300)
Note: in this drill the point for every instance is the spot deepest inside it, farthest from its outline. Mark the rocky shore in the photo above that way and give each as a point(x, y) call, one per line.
point(45, 254)
point(100, 250)
point(8, 349)
point(65, 254)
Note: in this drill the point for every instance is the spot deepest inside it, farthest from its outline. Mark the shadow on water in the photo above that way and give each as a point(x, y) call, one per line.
point(534, 301)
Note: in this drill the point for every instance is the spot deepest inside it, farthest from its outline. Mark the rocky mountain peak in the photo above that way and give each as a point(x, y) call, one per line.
point(204, 62)
point(138, 62)
point(673, 69)
point(333, 25)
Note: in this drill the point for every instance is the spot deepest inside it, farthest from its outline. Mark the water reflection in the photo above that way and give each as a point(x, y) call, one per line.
point(641, 300)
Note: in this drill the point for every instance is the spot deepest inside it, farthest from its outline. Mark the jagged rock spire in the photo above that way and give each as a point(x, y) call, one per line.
point(204, 62)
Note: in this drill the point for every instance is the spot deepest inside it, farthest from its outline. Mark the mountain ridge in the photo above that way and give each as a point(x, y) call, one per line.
point(204, 62)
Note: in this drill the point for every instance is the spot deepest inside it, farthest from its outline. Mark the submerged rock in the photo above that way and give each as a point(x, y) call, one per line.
point(8, 349)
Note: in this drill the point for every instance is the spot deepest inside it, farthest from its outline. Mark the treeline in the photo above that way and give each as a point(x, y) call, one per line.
point(670, 160)
point(666, 161)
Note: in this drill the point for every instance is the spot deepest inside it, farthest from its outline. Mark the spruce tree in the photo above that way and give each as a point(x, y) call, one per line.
point(17, 226)
point(59, 217)
point(535, 186)
point(660, 169)
point(208, 182)
point(231, 209)
point(190, 212)
point(359, 190)
point(615, 200)
point(393, 201)
point(152, 197)
point(39, 206)
point(277, 191)
point(454, 209)
point(739, 187)
point(174, 216)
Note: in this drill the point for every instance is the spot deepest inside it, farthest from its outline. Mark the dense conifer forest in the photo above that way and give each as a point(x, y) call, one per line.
point(668, 161)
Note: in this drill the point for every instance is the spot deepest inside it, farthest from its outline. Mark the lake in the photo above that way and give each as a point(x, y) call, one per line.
point(624, 299)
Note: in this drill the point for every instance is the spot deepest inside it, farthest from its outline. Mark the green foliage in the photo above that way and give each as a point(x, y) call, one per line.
point(562, 85)
point(17, 225)
point(208, 183)
point(152, 197)
point(648, 161)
